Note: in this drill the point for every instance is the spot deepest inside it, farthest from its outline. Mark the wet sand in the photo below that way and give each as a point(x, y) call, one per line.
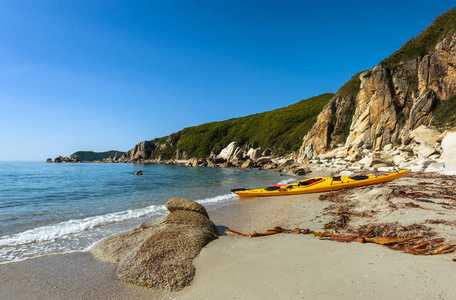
point(283, 266)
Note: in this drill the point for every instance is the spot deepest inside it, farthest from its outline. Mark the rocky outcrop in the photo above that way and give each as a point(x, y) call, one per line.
point(390, 103)
point(140, 152)
point(63, 159)
point(437, 71)
point(159, 254)
point(423, 141)
point(235, 156)
point(428, 151)
point(333, 122)
point(229, 152)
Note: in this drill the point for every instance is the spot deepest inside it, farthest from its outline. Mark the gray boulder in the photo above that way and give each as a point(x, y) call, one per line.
point(264, 160)
point(174, 204)
point(254, 153)
point(160, 254)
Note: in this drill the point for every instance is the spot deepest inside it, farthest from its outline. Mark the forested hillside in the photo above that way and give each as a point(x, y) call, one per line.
point(281, 129)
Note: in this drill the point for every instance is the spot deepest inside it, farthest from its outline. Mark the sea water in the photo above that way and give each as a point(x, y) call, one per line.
point(50, 208)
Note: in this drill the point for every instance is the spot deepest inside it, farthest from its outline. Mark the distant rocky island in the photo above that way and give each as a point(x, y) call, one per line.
point(89, 156)
point(394, 115)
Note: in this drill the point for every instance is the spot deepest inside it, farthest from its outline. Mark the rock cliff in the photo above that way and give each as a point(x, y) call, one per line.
point(384, 104)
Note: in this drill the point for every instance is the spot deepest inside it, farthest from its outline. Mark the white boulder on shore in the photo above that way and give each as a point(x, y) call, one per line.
point(449, 153)
point(228, 152)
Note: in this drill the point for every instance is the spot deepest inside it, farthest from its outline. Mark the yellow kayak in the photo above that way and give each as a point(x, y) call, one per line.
point(319, 184)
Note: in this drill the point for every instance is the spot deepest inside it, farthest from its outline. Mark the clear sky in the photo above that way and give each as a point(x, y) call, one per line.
point(105, 75)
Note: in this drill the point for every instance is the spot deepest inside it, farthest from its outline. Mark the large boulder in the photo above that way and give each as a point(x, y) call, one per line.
point(185, 204)
point(449, 153)
point(238, 154)
point(192, 162)
point(378, 159)
point(159, 254)
point(248, 164)
point(227, 152)
point(264, 160)
point(424, 141)
point(425, 135)
point(254, 153)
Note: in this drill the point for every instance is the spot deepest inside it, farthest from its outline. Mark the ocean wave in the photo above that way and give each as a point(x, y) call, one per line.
point(220, 198)
point(60, 230)
point(286, 181)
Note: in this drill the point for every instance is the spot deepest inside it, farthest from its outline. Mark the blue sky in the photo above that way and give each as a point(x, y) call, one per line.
point(103, 75)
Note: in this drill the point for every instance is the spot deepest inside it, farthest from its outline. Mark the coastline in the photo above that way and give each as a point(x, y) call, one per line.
point(273, 267)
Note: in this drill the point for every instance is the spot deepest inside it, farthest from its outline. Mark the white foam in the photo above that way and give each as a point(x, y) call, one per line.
point(286, 181)
point(77, 235)
point(217, 199)
point(59, 230)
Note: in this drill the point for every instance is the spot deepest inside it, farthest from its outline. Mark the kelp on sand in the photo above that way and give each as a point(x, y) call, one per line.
point(416, 245)
point(425, 205)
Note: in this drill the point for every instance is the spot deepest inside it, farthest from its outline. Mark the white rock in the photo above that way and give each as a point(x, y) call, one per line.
point(346, 173)
point(388, 147)
point(227, 152)
point(355, 167)
point(405, 165)
point(449, 153)
point(416, 168)
point(308, 152)
point(425, 135)
point(425, 162)
point(398, 159)
point(435, 167)
point(237, 154)
point(434, 156)
point(424, 150)
point(365, 160)
point(386, 169)
point(378, 158)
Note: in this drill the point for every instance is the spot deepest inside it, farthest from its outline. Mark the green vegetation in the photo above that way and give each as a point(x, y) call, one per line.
point(349, 91)
point(281, 129)
point(92, 156)
point(445, 113)
point(425, 42)
point(350, 88)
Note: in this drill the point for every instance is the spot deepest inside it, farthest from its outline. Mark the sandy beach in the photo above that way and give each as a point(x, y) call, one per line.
point(282, 266)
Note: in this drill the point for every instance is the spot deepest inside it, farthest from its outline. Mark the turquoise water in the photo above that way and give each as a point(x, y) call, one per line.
point(60, 208)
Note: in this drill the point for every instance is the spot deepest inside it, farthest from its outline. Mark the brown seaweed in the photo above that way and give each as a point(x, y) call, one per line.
point(275, 230)
point(410, 244)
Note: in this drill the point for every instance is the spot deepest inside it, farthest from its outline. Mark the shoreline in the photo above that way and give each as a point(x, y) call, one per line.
point(272, 267)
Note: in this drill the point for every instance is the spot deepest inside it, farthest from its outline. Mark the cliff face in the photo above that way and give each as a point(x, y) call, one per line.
point(333, 122)
point(140, 152)
point(390, 102)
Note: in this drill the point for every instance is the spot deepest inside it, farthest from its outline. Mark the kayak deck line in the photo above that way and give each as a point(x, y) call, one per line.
point(319, 184)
